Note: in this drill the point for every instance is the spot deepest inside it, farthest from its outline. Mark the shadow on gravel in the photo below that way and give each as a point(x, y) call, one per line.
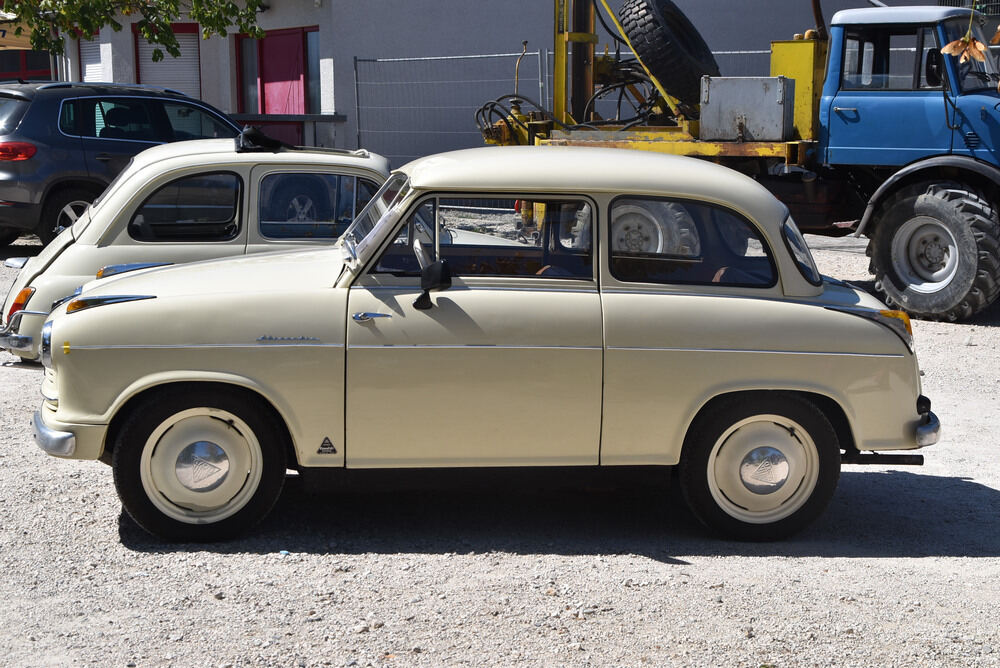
point(20, 251)
point(874, 514)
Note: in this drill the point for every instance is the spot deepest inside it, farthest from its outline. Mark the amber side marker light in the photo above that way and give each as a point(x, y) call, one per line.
point(899, 315)
point(20, 301)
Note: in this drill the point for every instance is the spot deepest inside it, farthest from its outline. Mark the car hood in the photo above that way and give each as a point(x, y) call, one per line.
point(257, 273)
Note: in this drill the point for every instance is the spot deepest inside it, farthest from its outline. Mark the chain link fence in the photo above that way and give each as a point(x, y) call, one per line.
point(412, 107)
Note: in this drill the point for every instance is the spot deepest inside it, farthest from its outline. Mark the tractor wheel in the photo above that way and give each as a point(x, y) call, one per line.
point(669, 45)
point(936, 251)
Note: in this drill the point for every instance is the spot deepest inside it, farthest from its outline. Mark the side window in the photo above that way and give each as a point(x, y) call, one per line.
point(117, 118)
point(306, 205)
point(190, 122)
point(203, 207)
point(683, 242)
point(880, 59)
point(931, 66)
point(548, 238)
point(67, 118)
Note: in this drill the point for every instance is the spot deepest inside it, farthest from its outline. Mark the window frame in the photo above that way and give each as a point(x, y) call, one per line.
point(334, 204)
point(877, 37)
point(238, 210)
point(757, 229)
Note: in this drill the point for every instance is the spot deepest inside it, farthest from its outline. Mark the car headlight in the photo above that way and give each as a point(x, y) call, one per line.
point(45, 347)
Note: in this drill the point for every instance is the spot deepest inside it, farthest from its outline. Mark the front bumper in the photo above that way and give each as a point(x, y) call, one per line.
point(10, 338)
point(57, 443)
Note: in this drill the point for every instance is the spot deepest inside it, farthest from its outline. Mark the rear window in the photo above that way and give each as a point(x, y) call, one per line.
point(201, 207)
point(11, 111)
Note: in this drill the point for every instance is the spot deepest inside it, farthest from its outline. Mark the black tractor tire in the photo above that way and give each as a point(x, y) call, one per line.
point(936, 251)
point(759, 467)
point(8, 235)
point(61, 210)
point(669, 45)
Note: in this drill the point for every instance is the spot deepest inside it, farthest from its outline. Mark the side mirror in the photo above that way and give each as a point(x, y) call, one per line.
point(435, 276)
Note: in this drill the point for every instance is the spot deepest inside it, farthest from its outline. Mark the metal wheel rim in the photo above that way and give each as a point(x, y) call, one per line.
point(925, 254)
point(172, 439)
point(301, 208)
point(69, 214)
point(755, 434)
point(636, 231)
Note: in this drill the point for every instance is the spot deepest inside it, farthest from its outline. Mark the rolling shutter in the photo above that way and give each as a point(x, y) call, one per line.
point(182, 73)
point(91, 68)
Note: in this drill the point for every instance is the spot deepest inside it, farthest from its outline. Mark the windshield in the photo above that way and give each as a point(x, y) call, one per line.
point(972, 74)
point(376, 213)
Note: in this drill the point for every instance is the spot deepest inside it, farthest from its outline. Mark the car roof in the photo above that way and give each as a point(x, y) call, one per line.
point(33, 89)
point(578, 169)
point(224, 150)
point(897, 15)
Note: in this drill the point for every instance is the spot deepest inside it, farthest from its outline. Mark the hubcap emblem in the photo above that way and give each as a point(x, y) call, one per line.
point(764, 470)
point(202, 466)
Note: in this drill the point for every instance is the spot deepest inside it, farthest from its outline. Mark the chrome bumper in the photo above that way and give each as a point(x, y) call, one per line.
point(929, 430)
point(9, 338)
point(58, 443)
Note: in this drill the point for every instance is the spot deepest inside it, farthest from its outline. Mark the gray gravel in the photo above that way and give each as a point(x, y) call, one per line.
point(902, 570)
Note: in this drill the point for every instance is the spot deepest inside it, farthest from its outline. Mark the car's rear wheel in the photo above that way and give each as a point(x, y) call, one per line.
point(61, 210)
point(760, 467)
point(198, 465)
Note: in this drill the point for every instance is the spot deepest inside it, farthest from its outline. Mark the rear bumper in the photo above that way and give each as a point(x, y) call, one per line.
point(929, 430)
point(19, 215)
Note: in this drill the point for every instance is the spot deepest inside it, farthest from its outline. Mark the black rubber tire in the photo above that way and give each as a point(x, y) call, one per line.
point(669, 45)
point(975, 230)
point(53, 218)
point(153, 411)
point(710, 426)
point(8, 235)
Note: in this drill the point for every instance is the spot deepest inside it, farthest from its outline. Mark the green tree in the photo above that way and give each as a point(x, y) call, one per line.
point(50, 20)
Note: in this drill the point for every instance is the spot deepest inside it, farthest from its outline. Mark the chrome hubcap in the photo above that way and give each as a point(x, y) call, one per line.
point(764, 470)
point(202, 466)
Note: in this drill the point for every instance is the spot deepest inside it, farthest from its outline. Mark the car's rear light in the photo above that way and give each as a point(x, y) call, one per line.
point(20, 301)
point(16, 150)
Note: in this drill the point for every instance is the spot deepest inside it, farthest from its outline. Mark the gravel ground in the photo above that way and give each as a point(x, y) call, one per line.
point(902, 569)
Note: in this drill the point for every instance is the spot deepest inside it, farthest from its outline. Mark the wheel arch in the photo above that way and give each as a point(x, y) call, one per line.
point(93, 185)
point(122, 410)
point(962, 169)
point(830, 407)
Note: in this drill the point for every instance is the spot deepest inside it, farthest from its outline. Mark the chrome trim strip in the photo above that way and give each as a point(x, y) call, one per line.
point(10, 339)
point(172, 346)
point(415, 289)
point(104, 300)
point(58, 443)
point(761, 352)
point(481, 346)
point(109, 270)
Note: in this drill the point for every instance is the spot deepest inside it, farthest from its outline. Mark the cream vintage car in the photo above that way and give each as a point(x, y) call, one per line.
point(190, 201)
point(668, 313)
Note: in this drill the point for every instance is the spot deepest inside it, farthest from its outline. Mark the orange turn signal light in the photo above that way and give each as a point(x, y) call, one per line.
point(901, 316)
point(20, 301)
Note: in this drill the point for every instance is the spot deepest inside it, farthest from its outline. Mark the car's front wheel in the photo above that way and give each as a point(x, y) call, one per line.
point(198, 465)
point(760, 467)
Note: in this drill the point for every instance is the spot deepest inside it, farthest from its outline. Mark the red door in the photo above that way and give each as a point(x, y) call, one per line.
point(282, 82)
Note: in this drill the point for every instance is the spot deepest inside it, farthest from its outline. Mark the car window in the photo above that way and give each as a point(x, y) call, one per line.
point(298, 205)
point(114, 118)
point(190, 122)
point(679, 241)
point(880, 58)
point(203, 207)
point(481, 236)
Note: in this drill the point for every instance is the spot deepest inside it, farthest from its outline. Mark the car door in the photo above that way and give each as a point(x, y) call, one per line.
point(504, 369)
point(890, 108)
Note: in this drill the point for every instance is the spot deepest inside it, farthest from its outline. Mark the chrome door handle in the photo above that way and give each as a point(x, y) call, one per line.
point(365, 317)
point(840, 109)
point(104, 157)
